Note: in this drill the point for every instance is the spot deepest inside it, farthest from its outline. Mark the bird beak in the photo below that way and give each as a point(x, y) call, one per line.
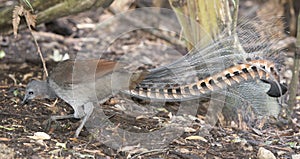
point(24, 100)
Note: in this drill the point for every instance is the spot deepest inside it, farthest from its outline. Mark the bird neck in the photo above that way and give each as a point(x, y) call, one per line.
point(49, 93)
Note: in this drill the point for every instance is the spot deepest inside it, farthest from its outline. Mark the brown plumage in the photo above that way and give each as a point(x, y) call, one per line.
point(81, 83)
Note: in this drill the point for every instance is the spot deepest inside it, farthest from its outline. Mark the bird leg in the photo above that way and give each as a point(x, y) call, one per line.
point(88, 110)
point(58, 117)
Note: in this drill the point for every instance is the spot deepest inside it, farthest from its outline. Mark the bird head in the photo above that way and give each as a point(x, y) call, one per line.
point(37, 90)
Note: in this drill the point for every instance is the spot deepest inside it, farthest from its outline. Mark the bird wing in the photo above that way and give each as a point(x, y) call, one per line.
point(70, 72)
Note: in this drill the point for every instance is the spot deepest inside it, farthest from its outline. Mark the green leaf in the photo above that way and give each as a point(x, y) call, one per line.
point(16, 92)
point(6, 128)
point(292, 144)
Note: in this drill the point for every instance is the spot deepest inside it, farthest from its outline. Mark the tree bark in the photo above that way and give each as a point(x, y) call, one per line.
point(50, 10)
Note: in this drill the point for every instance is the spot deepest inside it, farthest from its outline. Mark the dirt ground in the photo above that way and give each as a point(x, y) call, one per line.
point(19, 123)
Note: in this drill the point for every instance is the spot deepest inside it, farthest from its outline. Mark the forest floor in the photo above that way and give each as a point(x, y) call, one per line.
point(19, 124)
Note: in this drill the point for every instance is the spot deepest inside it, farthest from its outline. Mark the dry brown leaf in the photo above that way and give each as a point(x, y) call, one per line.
point(196, 138)
point(4, 139)
point(17, 12)
point(27, 76)
point(30, 18)
point(40, 136)
point(265, 154)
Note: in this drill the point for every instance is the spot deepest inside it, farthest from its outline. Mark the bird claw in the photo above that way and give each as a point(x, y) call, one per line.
point(54, 119)
point(49, 126)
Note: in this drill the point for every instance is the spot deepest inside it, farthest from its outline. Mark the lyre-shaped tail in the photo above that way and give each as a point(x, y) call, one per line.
point(214, 67)
point(252, 70)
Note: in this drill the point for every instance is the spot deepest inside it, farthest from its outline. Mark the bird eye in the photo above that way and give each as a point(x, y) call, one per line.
point(30, 92)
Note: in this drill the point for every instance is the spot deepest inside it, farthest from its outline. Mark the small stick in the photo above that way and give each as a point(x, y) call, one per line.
point(39, 50)
point(295, 77)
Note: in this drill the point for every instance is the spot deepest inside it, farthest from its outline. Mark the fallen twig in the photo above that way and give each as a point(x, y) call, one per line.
point(295, 78)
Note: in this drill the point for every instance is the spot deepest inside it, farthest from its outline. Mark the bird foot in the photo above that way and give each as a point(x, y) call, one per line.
point(54, 119)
